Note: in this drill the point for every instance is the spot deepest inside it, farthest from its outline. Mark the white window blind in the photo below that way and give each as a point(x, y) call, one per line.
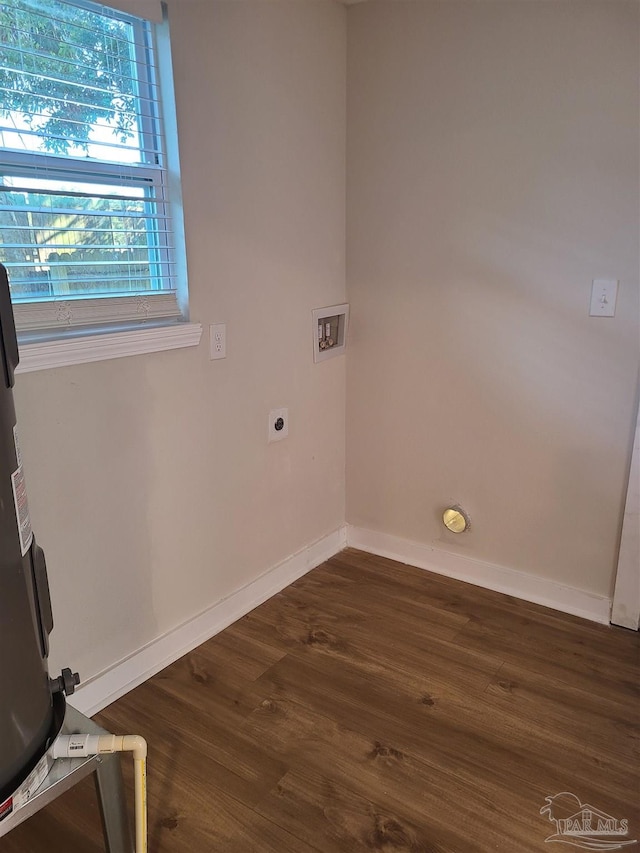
point(85, 215)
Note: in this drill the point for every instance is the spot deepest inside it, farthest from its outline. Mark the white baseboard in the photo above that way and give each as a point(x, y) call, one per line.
point(529, 587)
point(105, 688)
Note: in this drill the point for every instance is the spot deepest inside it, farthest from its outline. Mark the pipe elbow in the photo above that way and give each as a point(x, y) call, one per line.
point(135, 744)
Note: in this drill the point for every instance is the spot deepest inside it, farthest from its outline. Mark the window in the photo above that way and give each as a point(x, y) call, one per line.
point(86, 227)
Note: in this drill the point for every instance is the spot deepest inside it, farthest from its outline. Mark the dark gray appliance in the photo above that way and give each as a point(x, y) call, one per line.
point(27, 719)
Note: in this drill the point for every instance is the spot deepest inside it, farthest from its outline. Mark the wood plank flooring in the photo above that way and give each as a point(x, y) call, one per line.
point(374, 706)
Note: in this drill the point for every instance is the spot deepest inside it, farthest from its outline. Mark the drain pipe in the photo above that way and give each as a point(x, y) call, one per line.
point(83, 746)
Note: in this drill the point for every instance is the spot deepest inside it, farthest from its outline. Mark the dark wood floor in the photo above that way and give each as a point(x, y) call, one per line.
point(374, 706)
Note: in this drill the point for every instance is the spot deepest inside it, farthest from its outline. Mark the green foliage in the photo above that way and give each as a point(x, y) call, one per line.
point(64, 67)
point(84, 245)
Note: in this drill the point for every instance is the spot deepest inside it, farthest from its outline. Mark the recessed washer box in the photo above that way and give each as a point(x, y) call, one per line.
point(330, 331)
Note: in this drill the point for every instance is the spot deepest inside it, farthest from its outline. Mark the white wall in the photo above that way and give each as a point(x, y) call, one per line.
point(493, 173)
point(151, 484)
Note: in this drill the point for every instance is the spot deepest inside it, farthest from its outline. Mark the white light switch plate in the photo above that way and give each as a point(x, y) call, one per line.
point(603, 297)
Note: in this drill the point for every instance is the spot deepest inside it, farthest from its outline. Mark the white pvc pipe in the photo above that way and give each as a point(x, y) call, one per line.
point(83, 746)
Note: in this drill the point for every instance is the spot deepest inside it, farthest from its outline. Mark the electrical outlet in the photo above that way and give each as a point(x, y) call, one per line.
point(278, 424)
point(218, 342)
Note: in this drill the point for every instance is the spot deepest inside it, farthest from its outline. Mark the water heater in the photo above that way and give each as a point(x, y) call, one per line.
point(27, 694)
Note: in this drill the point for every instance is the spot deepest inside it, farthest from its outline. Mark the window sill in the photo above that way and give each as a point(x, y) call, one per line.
point(84, 347)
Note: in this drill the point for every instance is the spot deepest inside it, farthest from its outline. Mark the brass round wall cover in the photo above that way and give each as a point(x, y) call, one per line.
point(455, 520)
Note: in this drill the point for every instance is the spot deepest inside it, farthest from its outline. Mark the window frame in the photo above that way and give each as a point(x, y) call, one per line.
point(74, 328)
